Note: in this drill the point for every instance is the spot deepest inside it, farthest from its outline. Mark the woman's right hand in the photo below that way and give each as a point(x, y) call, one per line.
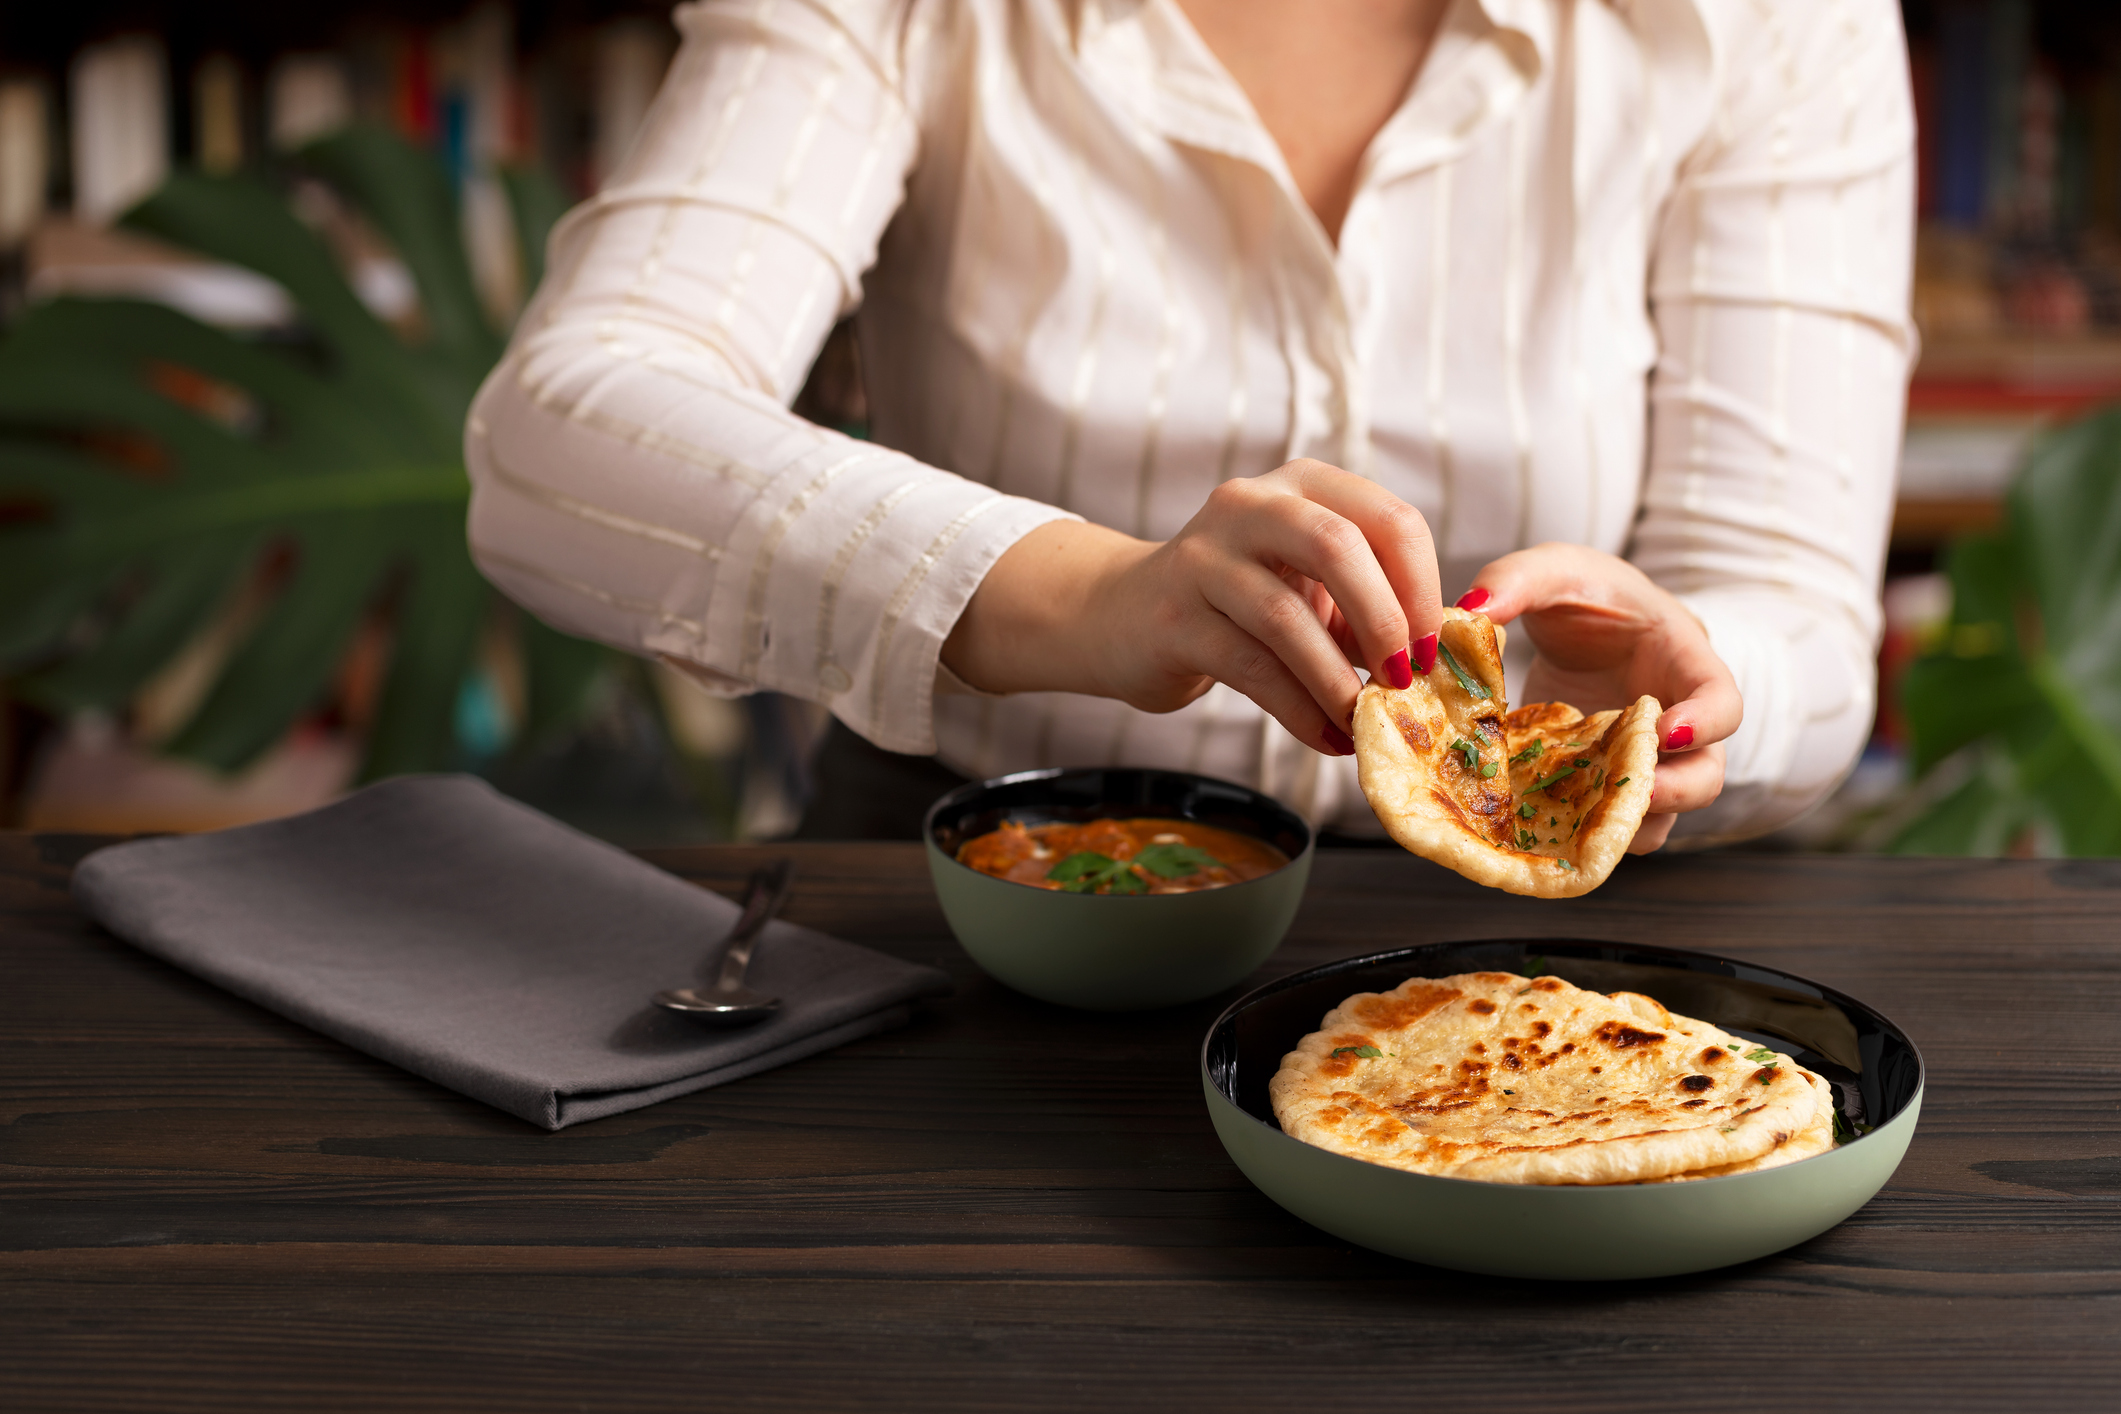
point(1276, 586)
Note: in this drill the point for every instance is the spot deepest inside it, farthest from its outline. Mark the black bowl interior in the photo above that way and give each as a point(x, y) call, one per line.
point(1874, 1069)
point(1077, 795)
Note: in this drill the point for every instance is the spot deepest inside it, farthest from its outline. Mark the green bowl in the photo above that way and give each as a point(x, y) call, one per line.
point(1583, 1233)
point(1115, 952)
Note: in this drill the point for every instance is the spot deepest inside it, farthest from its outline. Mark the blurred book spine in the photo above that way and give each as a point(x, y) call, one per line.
point(119, 110)
point(217, 115)
point(25, 159)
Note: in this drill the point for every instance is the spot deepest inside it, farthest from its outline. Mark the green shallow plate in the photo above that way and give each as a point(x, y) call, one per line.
point(1575, 1234)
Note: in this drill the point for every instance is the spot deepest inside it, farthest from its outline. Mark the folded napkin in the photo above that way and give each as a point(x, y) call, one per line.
point(434, 923)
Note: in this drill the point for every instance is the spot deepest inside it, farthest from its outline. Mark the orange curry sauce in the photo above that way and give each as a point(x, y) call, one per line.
point(1027, 854)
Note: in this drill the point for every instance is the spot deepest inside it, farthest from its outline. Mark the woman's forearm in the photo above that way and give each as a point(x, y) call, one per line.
point(1031, 626)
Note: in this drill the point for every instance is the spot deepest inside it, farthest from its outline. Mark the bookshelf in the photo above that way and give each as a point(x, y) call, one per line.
point(2018, 260)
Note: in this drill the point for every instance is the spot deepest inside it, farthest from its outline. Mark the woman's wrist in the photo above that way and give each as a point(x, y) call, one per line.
point(1032, 625)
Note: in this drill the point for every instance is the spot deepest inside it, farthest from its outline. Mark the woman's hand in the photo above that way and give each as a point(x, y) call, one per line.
point(1276, 586)
point(1605, 635)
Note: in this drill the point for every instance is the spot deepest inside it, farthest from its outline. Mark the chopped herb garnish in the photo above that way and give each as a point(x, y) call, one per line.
point(1525, 811)
point(1564, 771)
point(1468, 750)
point(1566, 865)
point(1087, 871)
point(1489, 770)
point(1176, 861)
point(1366, 1052)
point(1760, 1055)
point(1553, 820)
point(1509, 1092)
point(1531, 753)
point(1075, 866)
point(1526, 839)
point(1622, 781)
point(1842, 1132)
point(1582, 762)
point(1534, 966)
point(1473, 686)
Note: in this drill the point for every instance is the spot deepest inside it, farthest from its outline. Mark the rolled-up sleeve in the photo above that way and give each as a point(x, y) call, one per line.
point(1779, 289)
point(637, 476)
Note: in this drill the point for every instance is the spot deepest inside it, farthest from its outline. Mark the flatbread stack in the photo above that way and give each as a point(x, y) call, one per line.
point(1541, 801)
point(1509, 1079)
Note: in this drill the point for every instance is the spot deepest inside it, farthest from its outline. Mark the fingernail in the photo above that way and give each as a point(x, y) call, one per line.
point(1398, 671)
point(1425, 654)
point(1681, 738)
point(1473, 598)
point(1339, 741)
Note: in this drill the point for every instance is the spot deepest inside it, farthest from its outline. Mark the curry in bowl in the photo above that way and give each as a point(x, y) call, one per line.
point(1111, 856)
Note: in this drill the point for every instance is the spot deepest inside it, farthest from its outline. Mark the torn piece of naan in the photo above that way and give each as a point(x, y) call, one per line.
point(1541, 801)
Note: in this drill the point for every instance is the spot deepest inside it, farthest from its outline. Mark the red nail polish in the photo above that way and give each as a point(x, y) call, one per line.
point(1339, 741)
point(1681, 738)
point(1425, 654)
point(1473, 598)
point(1398, 671)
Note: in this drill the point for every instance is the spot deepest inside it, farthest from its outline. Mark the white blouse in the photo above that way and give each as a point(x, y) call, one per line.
point(1628, 273)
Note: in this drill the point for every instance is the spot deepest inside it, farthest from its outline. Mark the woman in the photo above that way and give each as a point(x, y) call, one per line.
point(1209, 343)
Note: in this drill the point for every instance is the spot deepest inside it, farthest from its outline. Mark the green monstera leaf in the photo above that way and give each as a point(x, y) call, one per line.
point(2022, 694)
point(151, 465)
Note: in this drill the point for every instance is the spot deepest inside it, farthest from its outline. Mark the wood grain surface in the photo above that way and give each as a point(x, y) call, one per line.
point(1008, 1205)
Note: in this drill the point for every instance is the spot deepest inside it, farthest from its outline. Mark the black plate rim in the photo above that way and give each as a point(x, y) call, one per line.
point(958, 796)
point(1303, 976)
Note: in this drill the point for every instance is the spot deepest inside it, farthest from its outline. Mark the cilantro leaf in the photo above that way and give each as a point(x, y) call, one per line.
point(1564, 771)
point(1526, 839)
point(1125, 881)
point(1176, 861)
point(1365, 1052)
point(1077, 865)
point(1531, 753)
point(1468, 750)
point(1087, 871)
point(1525, 811)
point(1473, 686)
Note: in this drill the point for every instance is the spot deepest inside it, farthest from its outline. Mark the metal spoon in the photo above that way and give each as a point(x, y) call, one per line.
point(729, 1002)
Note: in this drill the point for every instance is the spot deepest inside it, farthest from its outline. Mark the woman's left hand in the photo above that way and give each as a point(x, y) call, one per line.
point(1605, 635)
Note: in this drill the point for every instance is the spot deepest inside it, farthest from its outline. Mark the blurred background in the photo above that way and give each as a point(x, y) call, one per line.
point(254, 259)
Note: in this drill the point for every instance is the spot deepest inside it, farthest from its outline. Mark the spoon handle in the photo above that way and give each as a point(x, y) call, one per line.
point(763, 897)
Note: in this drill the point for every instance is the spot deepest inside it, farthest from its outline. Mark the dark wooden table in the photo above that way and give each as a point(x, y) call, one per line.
point(208, 1208)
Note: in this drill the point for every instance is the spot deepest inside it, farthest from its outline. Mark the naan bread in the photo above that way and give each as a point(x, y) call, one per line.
point(1541, 801)
point(1493, 1076)
point(1816, 1138)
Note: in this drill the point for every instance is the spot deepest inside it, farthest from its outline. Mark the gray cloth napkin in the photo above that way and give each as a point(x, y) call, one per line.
point(434, 923)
